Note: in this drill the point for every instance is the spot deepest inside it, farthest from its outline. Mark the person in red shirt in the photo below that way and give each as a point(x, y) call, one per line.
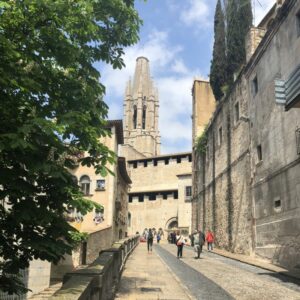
point(210, 240)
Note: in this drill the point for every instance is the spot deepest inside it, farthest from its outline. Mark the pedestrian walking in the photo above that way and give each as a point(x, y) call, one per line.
point(145, 233)
point(174, 237)
point(192, 239)
point(158, 238)
point(210, 240)
point(149, 240)
point(179, 243)
point(161, 233)
point(199, 240)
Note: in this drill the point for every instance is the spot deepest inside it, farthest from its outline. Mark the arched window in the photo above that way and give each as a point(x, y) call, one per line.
point(134, 117)
point(144, 118)
point(85, 184)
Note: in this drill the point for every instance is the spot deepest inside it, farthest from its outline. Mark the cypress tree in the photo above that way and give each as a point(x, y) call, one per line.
point(218, 63)
point(239, 19)
point(233, 37)
point(245, 21)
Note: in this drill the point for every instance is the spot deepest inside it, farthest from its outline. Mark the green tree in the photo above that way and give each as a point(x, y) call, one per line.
point(233, 40)
point(238, 19)
point(218, 63)
point(245, 17)
point(49, 94)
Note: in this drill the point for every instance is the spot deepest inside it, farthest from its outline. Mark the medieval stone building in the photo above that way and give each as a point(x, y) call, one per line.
point(247, 177)
point(160, 193)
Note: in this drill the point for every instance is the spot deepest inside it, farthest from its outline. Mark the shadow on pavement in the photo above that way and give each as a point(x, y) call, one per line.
point(283, 277)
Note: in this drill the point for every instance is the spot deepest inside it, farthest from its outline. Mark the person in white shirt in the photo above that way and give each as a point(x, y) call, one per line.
point(179, 243)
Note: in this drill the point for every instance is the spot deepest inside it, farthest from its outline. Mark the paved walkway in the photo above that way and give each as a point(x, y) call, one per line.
point(161, 275)
point(146, 276)
point(261, 263)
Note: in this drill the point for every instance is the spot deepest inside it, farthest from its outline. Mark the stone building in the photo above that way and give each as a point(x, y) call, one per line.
point(110, 191)
point(160, 194)
point(107, 225)
point(247, 178)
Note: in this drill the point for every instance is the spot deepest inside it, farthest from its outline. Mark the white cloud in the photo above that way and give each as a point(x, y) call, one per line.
point(179, 67)
point(195, 13)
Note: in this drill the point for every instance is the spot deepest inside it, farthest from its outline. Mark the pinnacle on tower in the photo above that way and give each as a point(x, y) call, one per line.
point(141, 113)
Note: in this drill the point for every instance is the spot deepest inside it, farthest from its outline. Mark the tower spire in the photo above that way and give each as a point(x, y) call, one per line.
point(141, 107)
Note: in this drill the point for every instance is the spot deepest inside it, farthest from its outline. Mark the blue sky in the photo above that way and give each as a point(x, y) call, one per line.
point(177, 38)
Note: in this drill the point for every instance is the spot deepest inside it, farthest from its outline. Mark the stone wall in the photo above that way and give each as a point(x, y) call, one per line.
point(160, 175)
point(222, 201)
point(276, 173)
point(247, 181)
point(98, 241)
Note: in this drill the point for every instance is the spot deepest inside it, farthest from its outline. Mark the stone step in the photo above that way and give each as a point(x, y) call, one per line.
point(47, 293)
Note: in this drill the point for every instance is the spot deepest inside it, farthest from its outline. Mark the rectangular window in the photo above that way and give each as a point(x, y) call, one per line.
point(236, 112)
point(100, 184)
point(145, 164)
point(298, 23)
point(254, 86)
point(178, 159)
point(176, 195)
point(220, 135)
point(188, 191)
point(277, 203)
point(165, 196)
point(259, 153)
point(152, 197)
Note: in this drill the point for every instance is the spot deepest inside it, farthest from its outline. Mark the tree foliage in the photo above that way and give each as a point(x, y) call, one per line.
point(49, 94)
point(239, 19)
point(233, 41)
point(245, 17)
point(218, 64)
point(201, 142)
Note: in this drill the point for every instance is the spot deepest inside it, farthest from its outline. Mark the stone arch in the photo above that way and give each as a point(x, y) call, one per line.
point(171, 223)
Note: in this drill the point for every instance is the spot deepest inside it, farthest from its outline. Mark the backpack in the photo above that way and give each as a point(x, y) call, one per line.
point(150, 235)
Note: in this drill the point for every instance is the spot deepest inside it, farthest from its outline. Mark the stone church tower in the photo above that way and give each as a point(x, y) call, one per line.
point(141, 115)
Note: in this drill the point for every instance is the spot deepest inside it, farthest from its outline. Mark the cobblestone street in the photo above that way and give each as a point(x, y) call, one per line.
point(161, 275)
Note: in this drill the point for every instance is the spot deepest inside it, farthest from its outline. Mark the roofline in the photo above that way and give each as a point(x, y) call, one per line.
point(184, 174)
point(161, 156)
point(280, 17)
point(144, 57)
point(266, 17)
point(119, 129)
point(154, 191)
point(201, 80)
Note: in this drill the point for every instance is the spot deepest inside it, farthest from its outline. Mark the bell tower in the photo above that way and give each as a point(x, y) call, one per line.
point(141, 113)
